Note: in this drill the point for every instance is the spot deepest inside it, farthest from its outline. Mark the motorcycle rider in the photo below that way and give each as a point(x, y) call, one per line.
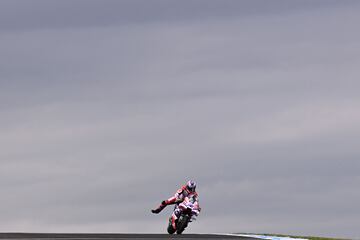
point(188, 190)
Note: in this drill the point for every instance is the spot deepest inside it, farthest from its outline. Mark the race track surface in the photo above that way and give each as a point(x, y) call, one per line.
point(113, 236)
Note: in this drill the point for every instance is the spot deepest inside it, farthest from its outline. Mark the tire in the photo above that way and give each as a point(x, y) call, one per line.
point(182, 224)
point(170, 228)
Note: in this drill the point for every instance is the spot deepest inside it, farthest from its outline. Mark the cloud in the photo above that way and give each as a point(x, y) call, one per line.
point(103, 119)
point(50, 14)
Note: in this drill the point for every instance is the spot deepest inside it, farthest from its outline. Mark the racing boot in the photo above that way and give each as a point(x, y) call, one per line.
point(160, 208)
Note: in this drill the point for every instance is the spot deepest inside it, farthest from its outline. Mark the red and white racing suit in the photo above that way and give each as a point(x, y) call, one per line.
point(178, 197)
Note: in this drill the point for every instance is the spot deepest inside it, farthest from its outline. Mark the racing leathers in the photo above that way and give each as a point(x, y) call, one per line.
point(179, 197)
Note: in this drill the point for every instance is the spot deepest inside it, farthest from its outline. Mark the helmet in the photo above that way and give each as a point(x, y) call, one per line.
point(191, 185)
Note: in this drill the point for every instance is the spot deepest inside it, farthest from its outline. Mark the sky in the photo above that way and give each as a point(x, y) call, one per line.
point(108, 107)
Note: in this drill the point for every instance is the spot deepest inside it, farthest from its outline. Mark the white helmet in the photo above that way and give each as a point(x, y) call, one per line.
point(191, 185)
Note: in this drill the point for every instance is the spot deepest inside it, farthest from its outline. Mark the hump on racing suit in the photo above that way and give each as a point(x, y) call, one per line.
point(184, 192)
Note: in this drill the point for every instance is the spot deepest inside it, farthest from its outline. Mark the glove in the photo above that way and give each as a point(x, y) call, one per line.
point(195, 212)
point(177, 212)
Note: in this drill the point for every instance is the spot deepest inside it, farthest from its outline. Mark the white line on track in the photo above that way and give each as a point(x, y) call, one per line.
point(260, 236)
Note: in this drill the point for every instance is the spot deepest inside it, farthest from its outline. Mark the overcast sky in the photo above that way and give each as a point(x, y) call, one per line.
point(107, 107)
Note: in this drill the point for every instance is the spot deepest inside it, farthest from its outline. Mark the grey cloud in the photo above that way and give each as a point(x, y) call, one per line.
point(22, 15)
point(100, 122)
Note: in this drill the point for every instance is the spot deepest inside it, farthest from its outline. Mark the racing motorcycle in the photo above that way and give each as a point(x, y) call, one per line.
point(183, 214)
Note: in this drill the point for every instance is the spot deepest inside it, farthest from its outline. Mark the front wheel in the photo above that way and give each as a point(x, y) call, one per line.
point(170, 228)
point(182, 224)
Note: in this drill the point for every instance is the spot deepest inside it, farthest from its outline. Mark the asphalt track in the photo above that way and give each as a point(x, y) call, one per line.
point(115, 236)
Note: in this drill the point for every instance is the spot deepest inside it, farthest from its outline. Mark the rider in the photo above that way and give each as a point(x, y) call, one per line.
point(188, 190)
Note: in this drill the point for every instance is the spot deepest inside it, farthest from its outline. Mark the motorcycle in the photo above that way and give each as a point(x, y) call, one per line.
point(183, 214)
